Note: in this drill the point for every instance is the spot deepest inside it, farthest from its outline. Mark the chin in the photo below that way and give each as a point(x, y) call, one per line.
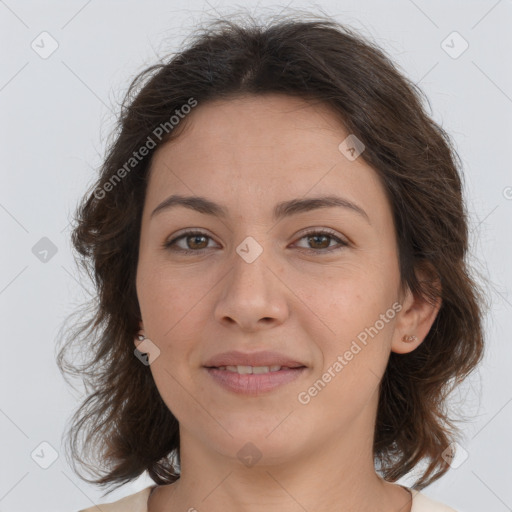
point(259, 444)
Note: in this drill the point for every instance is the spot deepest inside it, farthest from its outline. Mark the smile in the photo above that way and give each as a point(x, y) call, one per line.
point(254, 380)
point(243, 370)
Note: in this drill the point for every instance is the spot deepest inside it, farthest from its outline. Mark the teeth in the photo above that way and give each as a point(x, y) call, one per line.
point(243, 370)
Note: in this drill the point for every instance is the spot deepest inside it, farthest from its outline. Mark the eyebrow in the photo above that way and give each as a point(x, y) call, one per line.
point(281, 210)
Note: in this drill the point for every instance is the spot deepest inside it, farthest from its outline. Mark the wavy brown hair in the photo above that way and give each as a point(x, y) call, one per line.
point(123, 425)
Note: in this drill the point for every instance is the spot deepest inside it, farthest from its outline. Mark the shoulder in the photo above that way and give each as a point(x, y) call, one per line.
point(422, 503)
point(137, 502)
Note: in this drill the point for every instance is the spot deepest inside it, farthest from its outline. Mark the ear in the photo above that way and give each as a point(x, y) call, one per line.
point(136, 340)
point(416, 316)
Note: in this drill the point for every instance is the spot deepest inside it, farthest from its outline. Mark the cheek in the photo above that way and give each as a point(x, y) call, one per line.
point(167, 312)
point(349, 302)
point(353, 362)
point(169, 305)
point(359, 314)
point(166, 298)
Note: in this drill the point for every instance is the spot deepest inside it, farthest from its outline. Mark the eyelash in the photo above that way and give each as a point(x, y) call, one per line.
point(168, 245)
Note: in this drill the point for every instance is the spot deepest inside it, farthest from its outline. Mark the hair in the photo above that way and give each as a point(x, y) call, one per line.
point(123, 421)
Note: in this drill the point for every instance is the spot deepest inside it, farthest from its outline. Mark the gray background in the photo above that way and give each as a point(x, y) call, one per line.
point(55, 115)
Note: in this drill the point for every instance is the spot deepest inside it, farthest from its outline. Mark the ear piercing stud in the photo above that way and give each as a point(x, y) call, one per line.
point(409, 338)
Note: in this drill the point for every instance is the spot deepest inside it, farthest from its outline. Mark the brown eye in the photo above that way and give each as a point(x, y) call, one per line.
point(319, 241)
point(195, 241)
point(314, 239)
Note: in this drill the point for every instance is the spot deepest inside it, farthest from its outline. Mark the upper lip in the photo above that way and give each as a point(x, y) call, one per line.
point(265, 358)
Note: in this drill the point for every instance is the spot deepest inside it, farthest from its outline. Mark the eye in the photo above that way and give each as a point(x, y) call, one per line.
point(319, 237)
point(199, 240)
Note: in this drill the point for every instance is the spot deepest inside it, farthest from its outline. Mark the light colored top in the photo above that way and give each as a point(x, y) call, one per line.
point(138, 502)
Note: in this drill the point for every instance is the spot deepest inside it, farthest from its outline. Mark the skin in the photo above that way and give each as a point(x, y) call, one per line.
point(248, 154)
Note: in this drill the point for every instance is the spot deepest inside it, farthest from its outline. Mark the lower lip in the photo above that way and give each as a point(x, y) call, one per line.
point(254, 383)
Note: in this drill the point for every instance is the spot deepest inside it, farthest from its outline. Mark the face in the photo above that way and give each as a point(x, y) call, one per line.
point(320, 286)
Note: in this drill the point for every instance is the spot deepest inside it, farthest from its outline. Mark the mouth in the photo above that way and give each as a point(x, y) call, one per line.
point(258, 360)
point(254, 380)
point(247, 370)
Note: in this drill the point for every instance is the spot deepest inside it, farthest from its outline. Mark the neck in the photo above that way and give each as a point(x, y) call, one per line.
point(333, 477)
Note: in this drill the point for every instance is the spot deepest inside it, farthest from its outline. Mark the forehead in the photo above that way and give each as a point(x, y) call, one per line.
point(244, 121)
point(258, 149)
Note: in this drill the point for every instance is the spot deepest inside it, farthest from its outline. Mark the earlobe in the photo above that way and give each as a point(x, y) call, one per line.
point(140, 335)
point(408, 343)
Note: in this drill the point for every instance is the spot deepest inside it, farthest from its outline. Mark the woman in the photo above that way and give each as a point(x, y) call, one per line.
point(278, 240)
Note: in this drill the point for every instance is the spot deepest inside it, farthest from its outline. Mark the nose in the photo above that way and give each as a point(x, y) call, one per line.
point(252, 295)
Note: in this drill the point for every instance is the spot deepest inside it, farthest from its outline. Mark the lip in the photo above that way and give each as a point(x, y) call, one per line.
point(254, 384)
point(262, 358)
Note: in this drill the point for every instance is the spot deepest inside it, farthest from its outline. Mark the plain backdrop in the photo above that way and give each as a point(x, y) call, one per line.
point(56, 111)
